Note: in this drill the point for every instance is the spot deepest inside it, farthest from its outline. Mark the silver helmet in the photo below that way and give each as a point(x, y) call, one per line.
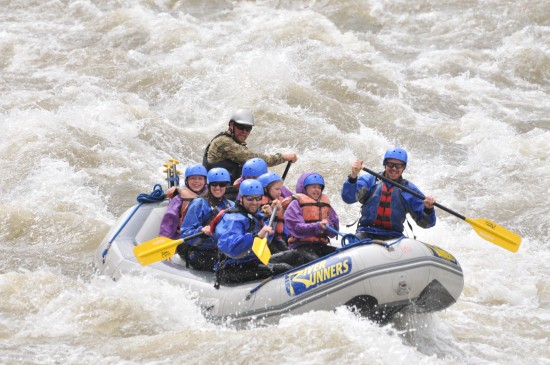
point(243, 116)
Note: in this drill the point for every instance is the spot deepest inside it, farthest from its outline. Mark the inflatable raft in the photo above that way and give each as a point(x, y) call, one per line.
point(378, 279)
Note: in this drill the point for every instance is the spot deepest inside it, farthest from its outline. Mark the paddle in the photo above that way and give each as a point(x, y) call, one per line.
point(259, 246)
point(485, 228)
point(159, 248)
point(286, 170)
point(172, 173)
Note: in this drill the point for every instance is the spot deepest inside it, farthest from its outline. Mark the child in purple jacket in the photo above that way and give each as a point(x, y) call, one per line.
point(307, 214)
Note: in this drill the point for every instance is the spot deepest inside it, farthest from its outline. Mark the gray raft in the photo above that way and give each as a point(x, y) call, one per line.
point(378, 279)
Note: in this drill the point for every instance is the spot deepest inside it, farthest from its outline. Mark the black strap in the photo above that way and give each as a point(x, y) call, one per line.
point(411, 228)
point(220, 265)
point(205, 155)
point(232, 167)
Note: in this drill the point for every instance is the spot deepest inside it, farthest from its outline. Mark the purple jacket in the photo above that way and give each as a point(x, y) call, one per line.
point(294, 219)
point(171, 219)
point(170, 222)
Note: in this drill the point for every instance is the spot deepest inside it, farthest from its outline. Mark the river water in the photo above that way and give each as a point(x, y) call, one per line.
point(96, 95)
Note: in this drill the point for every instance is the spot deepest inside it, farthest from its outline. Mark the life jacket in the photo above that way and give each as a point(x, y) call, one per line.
point(224, 259)
point(287, 201)
point(232, 167)
point(376, 211)
point(215, 210)
point(237, 183)
point(189, 195)
point(236, 209)
point(383, 212)
point(279, 219)
point(312, 211)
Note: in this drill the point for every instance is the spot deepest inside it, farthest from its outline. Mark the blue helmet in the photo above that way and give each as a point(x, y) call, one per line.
point(254, 167)
point(314, 179)
point(251, 187)
point(268, 178)
point(193, 170)
point(218, 174)
point(397, 153)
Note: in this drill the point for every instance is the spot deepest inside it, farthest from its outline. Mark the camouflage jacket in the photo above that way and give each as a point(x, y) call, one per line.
point(224, 147)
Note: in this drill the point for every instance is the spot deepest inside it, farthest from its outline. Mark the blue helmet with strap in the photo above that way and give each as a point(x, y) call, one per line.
point(218, 174)
point(194, 170)
point(314, 178)
point(396, 153)
point(251, 187)
point(268, 178)
point(254, 167)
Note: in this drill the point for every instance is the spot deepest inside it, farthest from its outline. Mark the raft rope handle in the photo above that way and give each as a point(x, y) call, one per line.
point(265, 281)
point(354, 240)
point(396, 241)
point(349, 238)
point(157, 195)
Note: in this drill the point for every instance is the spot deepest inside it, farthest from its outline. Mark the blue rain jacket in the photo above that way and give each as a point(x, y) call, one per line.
point(199, 214)
point(368, 191)
point(235, 234)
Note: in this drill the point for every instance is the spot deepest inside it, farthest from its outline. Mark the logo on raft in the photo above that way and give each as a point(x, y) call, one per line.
point(300, 281)
point(442, 254)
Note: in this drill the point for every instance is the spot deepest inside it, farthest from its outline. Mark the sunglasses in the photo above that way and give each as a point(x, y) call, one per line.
point(241, 127)
point(398, 166)
point(219, 184)
point(251, 198)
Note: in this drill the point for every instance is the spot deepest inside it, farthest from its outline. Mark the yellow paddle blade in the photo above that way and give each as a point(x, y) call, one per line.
point(492, 232)
point(157, 249)
point(260, 249)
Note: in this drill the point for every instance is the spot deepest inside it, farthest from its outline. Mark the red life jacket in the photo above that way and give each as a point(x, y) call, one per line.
point(383, 213)
point(312, 211)
point(216, 220)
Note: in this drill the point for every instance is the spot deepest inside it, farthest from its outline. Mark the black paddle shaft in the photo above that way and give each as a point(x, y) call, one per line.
point(193, 236)
point(419, 196)
point(286, 170)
